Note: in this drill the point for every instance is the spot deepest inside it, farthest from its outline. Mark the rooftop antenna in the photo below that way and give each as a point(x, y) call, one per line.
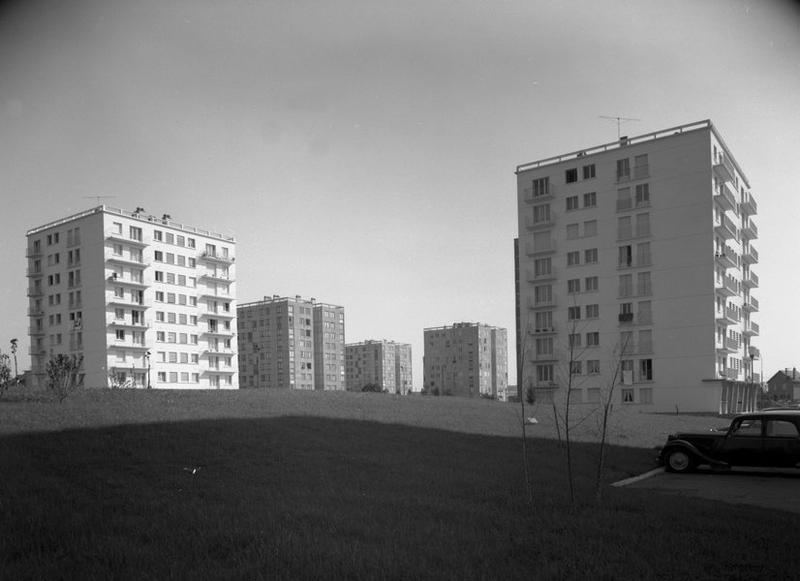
point(98, 198)
point(619, 121)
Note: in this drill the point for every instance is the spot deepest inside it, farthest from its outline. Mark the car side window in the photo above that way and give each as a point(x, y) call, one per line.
point(748, 428)
point(781, 429)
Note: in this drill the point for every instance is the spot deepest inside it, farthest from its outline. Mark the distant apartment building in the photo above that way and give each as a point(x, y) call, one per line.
point(291, 343)
point(641, 253)
point(385, 364)
point(466, 360)
point(146, 301)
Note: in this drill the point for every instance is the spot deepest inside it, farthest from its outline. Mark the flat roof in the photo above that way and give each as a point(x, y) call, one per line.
point(627, 141)
point(141, 216)
point(277, 299)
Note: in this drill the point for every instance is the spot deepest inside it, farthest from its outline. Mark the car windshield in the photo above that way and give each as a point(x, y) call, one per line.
point(747, 427)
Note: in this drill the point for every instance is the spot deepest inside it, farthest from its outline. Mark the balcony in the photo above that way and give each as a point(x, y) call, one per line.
point(533, 276)
point(749, 229)
point(532, 223)
point(216, 277)
point(34, 272)
point(119, 259)
point(749, 206)
point(35, 292)
point(34, 312)
point(120, 237)
point(751, 329)
point(727, 286)
point(538, 194)
point(727, 258)
point(532, 249)
point(534, 330)
point(724, 168)
point(749, 255)
point(541, 303)
point(750, 280)
point(625, 318)
point(728, 316)
point(751, 306)
point(725, 196)
point(122, 323)
point(36, 331)
point(215, 257)
point(725, 228)
point(114, 278)
point(641, 171)
point(219, 314)
point(34, 252)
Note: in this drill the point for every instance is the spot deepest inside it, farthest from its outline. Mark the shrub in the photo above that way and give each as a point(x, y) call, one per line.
point(63, 374)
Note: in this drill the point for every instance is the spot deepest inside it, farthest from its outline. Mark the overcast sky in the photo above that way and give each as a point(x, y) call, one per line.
point(363, 152)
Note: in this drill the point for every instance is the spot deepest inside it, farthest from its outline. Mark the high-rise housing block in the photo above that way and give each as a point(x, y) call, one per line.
point(467, 360)
point(384, 364)
point(146, 301)
point(636, 268)
point(291, 343)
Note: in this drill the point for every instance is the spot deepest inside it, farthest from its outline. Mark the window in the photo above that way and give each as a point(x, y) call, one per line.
point(593, 395)
point(624, 228)
point(159, 276)
point(119, 314)
point(540, 187)
point(573, 231)
point(642, 195)
point(640, 166)
point(627, 395)
point(542, 267)
point(781, 429)
point(626, 285)
point(624, 201)
point(623, 169)
point(625, 256)
point(643, 254)
point(593, 366)
point(590, 199)
point(645, 344)
point(575, 340)
point(542, 294)
point(593, 339)
point(643, 224)
point(573, 313)
point(543, 321)
point(748, 427)
point(576, 367)
point(591, 283)
point(645, 369)
point(592, 311)
point(159, 256)
point(643, 286)
point(571, 175)
point(541, 213)
point(574, 285)
point(159, 297)
point(544, 346)
point(590, 228)
point(590, 256)
point(170, 278)
point(588, 171)
point(646, 395)
point(573, 258)
point(120, 334)
point(572, 203)
point(135, 233)
point(544, 374)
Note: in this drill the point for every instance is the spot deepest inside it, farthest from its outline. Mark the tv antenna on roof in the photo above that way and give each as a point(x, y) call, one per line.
point(98, 198)
point(619, 121)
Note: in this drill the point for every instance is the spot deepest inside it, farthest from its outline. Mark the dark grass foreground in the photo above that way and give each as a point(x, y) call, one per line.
point(317, 498)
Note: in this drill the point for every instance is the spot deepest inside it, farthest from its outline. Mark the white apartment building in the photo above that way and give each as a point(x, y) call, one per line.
point(383, 363)
point(639, 254)
point(291, 343)
point(466, 360)
point(147, 302)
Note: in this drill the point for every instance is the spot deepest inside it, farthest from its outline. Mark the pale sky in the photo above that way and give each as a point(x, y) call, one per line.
point(363, 152)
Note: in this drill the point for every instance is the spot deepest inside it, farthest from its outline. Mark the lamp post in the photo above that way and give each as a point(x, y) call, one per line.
point(257, 348)
point(752, 377)
point(147, 357)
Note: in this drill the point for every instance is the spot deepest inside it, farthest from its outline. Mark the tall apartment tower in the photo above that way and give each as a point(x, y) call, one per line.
point(291, 343)
point(147, 302)
point(467, 360)
point(383, 363)
point(638, 255)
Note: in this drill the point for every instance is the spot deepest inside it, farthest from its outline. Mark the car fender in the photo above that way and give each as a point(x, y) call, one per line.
point(688, 446)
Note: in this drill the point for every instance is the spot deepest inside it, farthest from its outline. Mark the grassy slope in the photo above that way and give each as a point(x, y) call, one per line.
point(283, 496)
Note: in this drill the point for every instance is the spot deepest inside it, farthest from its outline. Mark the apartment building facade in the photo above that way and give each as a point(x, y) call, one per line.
point(291, 343)
point(146, 301)
point(466, 360)
point(383, 363)
point(637, 256)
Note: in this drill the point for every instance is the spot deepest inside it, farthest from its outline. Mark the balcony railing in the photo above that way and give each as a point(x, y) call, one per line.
point(749, 229)
point(750, 280)
point(641, 171)
point(751, 329)
point(534, 330)
point(751, 304)
point(532, 223)
point(728, 286)
point(725, 196)
point(750, 255)
point(533, 276)
point(217, 257)
point(727, 258)
point(540, 193)
point(532, 249)
point(749, 205)
point(534, 303)
point(626, 318)
point(725, 227)
point(724, 168)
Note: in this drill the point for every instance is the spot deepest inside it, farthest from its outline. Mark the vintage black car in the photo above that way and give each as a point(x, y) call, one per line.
point(766, 438)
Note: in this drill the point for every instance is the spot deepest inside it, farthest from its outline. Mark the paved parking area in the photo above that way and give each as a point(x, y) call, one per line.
point(766, 487)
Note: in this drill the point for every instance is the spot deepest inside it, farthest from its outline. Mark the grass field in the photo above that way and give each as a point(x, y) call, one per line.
point(293, 485)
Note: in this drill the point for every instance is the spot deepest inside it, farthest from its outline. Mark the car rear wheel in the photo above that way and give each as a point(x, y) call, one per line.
point(680, 461)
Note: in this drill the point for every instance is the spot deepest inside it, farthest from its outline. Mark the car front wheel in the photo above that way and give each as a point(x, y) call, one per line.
point(680, 461)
